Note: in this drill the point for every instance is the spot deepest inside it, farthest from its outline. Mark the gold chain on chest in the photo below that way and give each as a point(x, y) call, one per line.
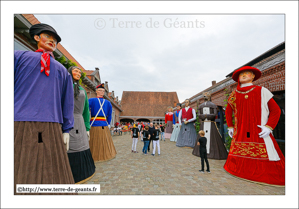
point(245, 92)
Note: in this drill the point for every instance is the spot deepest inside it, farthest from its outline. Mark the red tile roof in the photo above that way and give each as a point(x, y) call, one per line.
point(152, 104)
point(89, 72)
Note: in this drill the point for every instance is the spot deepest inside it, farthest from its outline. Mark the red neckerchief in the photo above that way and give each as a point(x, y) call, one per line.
point(45, 61)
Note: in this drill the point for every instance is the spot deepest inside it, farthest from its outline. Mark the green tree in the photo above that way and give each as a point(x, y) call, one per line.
point(82, 77)
point(197, 123)
point(228, 139)
point(66, 63)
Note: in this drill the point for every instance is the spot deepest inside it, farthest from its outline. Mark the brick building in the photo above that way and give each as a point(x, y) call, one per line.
point(272, 65)
point(146, 106)
point(23, 41)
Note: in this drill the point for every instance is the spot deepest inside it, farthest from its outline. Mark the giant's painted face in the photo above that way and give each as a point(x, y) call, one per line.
point(206, 96)
point(46, 41)
point(76, 74)
point(100, 92)
point(187, 103)
point(246, 77)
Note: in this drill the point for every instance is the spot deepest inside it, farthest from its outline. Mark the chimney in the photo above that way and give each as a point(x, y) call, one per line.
point(174, 104)
point(97, 68)
point(213, 83)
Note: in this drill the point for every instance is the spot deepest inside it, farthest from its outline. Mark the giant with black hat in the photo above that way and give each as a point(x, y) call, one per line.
point(43, 113)
point(42, 27)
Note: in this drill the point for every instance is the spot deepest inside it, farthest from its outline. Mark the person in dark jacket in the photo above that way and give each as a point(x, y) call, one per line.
point(135, 136)
point(146, 137)
point(202, 142)
point(151, 132)
point(162, 127)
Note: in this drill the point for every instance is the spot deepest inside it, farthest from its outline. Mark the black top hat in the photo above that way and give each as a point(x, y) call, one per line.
point(41, 27)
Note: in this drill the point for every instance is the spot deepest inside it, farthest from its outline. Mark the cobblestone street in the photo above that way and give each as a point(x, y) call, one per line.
point(174, 172)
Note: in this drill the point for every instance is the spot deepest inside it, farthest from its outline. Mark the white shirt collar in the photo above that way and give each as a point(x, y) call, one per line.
point(246, 84)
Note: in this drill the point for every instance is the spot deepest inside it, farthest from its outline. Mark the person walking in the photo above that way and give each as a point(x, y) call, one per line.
point(151, 132)
point(140, 129)
point(146, 137)
point(135, 136)
point(202, 142)
point(156, 141)
point(162, 132)
point(120, 130)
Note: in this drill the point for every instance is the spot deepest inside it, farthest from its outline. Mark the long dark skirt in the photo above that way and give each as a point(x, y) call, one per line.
point(82, 165)
point(40, 155)
point(187, 136)
point(101, 144)
point(217, 148)
point(168, 129)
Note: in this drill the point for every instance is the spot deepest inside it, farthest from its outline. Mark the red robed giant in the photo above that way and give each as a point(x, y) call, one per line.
point(251, 157)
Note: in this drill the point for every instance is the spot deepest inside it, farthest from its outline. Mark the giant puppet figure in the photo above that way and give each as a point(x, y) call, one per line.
point(187, 136)
point(101, 144)
point(43, 112)
point(254, 154)
point(79, 154)
point(176, 125)
point(169, 121)
point(207, 112)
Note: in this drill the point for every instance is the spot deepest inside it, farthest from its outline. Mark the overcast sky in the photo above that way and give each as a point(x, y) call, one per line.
point(159, 59)
point(181, 53)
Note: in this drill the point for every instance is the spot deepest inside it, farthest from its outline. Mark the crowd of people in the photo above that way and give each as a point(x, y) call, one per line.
point(147, 134)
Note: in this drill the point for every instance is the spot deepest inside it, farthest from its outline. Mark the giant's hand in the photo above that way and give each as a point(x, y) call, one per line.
point(265, 131)
point(231, 132)
point(88, 135)
point(186, 122)
point(109, 127)
point(66, 140)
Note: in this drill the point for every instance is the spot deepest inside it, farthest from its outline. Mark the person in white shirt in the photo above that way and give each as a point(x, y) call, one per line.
point(119, 129)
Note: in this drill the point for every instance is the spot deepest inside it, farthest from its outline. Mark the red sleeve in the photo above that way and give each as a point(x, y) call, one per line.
point(228, 115)
point(166, 118)
point(273, 115)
